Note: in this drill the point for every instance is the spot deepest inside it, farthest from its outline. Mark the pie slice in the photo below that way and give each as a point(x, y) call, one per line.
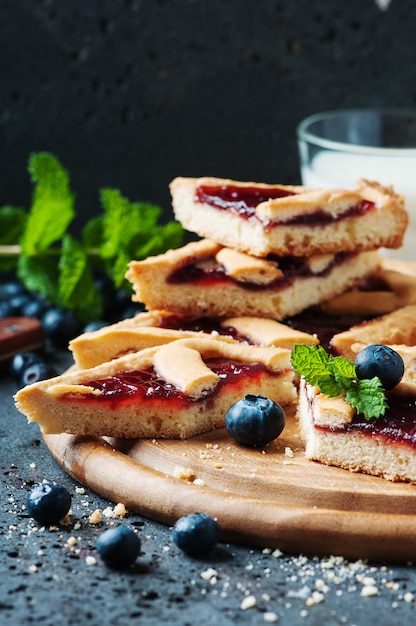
point(390, 287)
point(153, 328)
point(263, 219)
point(176, 390)
point(206, 279)
point(335, 435)
point(398, 327)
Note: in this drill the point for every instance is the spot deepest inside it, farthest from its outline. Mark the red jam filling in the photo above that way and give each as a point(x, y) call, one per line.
point(146, 387)
point(397, 426)
point(241, 200)
point(200, 324)
point(320, 217)
point(244, 200)
point(213, 275)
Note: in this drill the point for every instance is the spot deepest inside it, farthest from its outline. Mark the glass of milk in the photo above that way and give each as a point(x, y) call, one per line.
point(336, 148)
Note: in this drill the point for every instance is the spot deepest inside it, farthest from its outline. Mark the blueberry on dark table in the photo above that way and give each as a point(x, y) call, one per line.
point(11, 289)
point(382, 361)
point(118, 547)
point(132, 310)
point(48, 503)
point(36, 307)
point(36, 372)
point(21, 361)
point(255, 420)
point(93, 326)
point(60, 326)
point(6, 310)
point(196, 533)
point(18, 303)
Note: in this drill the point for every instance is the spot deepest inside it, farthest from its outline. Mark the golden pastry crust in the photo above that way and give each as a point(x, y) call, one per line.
point(390, 287)
point(398, 327)
point(308, 221)
point(77, 402)
point(158, 327)
point(305, 282)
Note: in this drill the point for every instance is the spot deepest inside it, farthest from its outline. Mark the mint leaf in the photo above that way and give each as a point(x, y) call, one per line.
point(330, 386)
point(92, 233)
point(12, 224)
point(343, 367)
point(312, 362)
point(76, 286)
point(52, 207)
point(336, 375)
point(118, 222)
point(367, 397)
point(39, 274)
point(130, 231)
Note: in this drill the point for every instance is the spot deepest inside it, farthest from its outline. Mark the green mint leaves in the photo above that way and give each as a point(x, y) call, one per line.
point(51, 262)
point(335, 376)
point(52, 205)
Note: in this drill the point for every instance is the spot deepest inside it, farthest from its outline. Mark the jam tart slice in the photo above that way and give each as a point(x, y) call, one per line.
point(153, 328)
point(263, 219)
point(398, 327)
point(205, 279)
point(176, 390)
point(335, 435)
point(390, 287)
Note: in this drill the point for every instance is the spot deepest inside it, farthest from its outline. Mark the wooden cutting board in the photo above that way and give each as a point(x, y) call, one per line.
point(263, 498)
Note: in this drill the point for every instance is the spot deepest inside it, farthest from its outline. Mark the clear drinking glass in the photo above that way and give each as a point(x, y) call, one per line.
point(336, 148)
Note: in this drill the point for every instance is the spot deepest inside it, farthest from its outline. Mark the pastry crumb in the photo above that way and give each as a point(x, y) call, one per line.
point(95, 517)
point(184, 473)
point(248, 603)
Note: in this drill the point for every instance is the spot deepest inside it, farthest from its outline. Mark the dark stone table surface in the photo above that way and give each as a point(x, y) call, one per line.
point(50, 575)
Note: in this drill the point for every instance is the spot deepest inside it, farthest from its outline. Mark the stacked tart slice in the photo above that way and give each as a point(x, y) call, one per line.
point(268, 251)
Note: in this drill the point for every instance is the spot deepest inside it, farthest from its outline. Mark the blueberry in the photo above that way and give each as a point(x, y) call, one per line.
point(118, 547)
point(6, 310)
point(11, 289)
point(48, 503)
point(382, 361)
point(22, 361)
point(132, 310)
point(93, 326)
point(196, 533)
point(60, 326)
point(35, 308)
point(18, 303)
point(36, 372)
point(255, 420)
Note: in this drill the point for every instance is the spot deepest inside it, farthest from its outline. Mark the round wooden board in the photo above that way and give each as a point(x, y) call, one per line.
point(265, 498)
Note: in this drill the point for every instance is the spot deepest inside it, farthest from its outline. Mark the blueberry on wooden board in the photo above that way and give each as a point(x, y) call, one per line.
point(255, 420)
point(48, 503)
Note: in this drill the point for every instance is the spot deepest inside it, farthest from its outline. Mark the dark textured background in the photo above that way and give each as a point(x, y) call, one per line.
point(131, 93)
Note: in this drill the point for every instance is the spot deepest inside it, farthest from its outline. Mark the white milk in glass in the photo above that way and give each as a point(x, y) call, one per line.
point(336, 169)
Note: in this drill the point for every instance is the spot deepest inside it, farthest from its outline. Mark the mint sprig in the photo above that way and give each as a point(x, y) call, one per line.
point(336, 376)
point(48, 260)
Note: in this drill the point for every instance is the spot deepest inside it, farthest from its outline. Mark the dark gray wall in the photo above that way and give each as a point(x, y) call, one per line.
point(131, 93)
